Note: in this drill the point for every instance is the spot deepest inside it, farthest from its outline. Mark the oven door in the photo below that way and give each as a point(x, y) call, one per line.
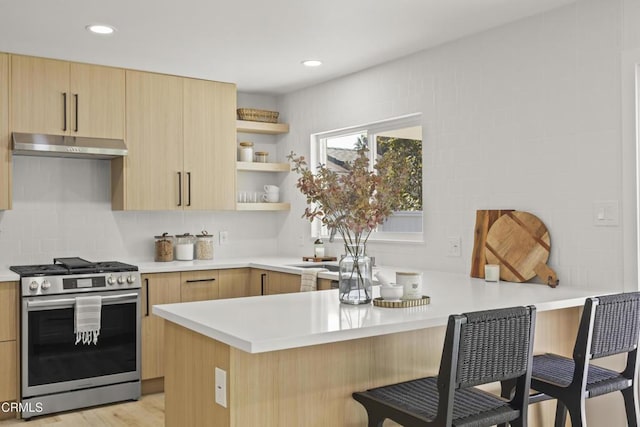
point(52, 362)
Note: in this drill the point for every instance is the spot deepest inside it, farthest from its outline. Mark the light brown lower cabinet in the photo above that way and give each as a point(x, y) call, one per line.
point(274, 282)
point(235, 283)
point(158, 288)
point(188, 286)
point(9, 366)
point(199, 285)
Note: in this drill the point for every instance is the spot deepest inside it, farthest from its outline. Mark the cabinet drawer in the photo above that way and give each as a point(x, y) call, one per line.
point(199, 285)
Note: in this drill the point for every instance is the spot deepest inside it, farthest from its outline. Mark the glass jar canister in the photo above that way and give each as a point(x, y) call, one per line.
point(262, 156)
point(204, 246)
point(184, 247)
point(164, 248)
point(246, 151)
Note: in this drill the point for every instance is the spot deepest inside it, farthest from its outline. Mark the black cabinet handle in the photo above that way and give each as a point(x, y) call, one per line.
point(146, 286)
point(64, 111)
point(179, 188)
point(201, 280)
point(188, 188)
point(263, 276)
point(76, 97)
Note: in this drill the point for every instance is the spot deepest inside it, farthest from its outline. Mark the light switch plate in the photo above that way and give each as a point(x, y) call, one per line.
point(606, 213)
point(221, 387)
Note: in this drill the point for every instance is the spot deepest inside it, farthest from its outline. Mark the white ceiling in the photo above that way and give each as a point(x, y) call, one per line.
point(255, 43)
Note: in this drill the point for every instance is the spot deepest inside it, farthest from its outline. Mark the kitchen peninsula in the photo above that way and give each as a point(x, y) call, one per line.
point(295, 359)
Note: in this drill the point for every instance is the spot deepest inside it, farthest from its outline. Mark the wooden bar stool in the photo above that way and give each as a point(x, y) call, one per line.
point(479, 348)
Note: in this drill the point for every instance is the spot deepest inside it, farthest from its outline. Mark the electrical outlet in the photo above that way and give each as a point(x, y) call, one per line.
point(221, 387)
point(224, 238)
point(453, 246)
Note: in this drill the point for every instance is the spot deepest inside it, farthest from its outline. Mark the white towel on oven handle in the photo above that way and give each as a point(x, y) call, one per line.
point(88, 311)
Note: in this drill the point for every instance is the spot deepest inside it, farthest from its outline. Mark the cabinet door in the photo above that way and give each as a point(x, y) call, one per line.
point(97, 101)
point(235, 282)
point(8, 371)
point(153, 167)
point(40, 97)
point(161, 288)
point(199, 285)
point(283, 283)
point(5, 136)
point(209, 144)
point(259, 282)
point(8, 310)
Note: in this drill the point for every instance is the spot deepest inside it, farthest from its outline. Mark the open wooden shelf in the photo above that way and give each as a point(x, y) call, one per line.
point(263, 167)
point(263, 206)
point(261, 127)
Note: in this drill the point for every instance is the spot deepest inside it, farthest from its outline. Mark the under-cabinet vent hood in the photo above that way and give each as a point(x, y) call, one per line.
point(29, 144)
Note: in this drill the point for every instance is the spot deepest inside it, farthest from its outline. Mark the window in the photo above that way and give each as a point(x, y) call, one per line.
point(403, 135)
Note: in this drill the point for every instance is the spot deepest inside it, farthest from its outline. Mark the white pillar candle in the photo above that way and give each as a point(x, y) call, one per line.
point(492, 273)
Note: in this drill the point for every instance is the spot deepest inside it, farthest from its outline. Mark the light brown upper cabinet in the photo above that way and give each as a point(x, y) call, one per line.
point(148, 177)
point(5, 154)
point(66, 98)
point(181, 141)
point(209, 144)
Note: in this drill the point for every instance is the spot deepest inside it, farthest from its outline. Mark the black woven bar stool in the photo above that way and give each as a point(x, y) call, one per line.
point(609, 325)
point(479, 348)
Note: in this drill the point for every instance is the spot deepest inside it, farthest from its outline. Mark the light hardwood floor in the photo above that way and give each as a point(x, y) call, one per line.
point(146, 412)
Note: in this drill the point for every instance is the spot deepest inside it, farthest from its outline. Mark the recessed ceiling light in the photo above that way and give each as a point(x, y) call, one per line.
point(312, 63)
point(100, 29)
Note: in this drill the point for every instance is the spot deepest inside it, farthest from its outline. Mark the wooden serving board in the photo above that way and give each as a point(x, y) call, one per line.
point(519, 242)
point(484, 221)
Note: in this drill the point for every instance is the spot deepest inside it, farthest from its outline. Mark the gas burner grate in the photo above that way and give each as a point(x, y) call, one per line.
point(65, 266)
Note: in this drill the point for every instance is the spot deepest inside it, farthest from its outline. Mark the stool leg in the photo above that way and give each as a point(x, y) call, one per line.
point(631, 405)
point(507, 389)
point(561, 414)
point(375, 420)
point(577, 413)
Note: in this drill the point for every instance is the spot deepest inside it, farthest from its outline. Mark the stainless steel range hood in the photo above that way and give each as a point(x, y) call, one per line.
point(29, 144)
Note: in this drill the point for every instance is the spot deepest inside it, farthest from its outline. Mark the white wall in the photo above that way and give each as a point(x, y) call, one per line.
point(62, 207)
point(526, 116)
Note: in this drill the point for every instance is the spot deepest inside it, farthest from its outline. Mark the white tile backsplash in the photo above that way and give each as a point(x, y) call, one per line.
point(524, 116)
point(61, 207)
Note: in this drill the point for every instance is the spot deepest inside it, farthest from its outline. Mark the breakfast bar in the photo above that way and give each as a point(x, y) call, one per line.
point(295, 359)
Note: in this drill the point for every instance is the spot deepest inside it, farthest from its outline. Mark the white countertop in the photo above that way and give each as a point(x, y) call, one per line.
point(278, 322)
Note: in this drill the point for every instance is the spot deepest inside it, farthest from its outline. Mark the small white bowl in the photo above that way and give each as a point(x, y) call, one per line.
point(391, 292)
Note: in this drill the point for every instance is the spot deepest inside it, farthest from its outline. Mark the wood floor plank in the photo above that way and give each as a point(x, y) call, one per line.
point(146, 412)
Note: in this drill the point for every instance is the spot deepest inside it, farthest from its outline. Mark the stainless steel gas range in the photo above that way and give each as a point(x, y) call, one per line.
point(58, 373)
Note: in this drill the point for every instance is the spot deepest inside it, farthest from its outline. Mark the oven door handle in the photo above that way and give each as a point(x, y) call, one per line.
point(72, 301)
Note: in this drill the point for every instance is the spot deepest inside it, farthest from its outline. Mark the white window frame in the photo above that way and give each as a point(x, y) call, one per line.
point(318, 154)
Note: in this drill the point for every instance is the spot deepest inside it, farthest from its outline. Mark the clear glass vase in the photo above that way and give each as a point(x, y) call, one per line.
point(355, 276)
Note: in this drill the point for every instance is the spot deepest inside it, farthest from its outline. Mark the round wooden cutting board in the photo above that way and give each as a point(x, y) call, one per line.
point(520, 243)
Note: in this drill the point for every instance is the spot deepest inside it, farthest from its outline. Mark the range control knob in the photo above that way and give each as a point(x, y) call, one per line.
point(131, 279)
point(34, 286)
point(111, 280)
point(46, 285)
point(121, 280)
